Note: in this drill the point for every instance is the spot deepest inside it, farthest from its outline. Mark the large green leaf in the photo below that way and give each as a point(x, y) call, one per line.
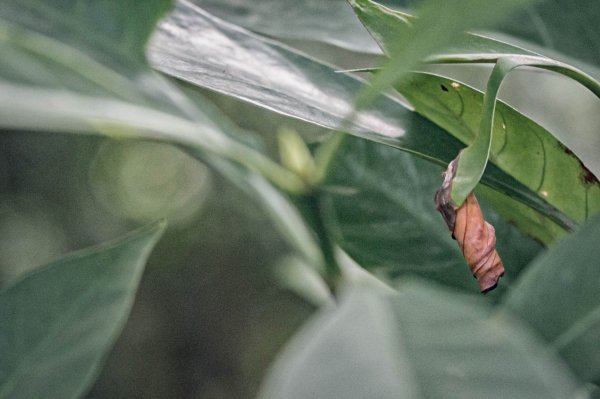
point(439, 24)
point(520, 147)
point(421, 343)
point(65, 52)
point(196, 47)
point(558, 296)
point(79, 67)
point(233, 61)
point(58, 323)
point(380, 211)
point(330, 21)
point(567, 26)
point(51, 80)
point(386, 25)
point(458, 109)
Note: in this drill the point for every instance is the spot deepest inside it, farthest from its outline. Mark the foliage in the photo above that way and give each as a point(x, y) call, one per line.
point(343, 181)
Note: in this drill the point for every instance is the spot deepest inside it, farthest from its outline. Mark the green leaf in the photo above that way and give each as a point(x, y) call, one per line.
point(107, 31)
point(421, 343)
point(99, 84)
point(558, 296)
point(292, 84)
point(380, 210)
point(569, 27)
point(329, 21)
point(282, 80)
point(386, 25)
point(79, 67)
point(520, 147)
point(58, 323)
point(58, 53)
point(438, 25)
point(473, 160)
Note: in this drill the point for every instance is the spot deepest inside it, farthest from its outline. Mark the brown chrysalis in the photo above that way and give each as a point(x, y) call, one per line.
point(476, 237)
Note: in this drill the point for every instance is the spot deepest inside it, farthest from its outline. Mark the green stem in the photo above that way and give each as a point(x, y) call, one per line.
point(312, 205)
point(531, 61)
point(325, 155)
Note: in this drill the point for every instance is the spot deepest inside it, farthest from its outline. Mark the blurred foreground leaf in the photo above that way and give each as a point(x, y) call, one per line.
point(330, 21)
point(438, 24)
point(565, 26)
point(420, 343)
point(558, 296)
point(81, 68)
point(58, 323)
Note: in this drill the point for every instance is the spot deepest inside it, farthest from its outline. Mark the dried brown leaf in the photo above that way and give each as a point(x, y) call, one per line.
point(476, 237)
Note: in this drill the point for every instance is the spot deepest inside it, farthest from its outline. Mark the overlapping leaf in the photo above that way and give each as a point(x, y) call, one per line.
point(380, 212)
point(561, 178)
point(520, 147)
point(330, 21)
point(569, 27)
point(439, 24)
point(422, 343)
point(558, 296)
point(57, 323)
point(79, 67)
point(194, 46)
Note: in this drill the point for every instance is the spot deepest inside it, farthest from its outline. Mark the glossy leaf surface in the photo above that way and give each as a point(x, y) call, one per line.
point(196, 47)
point(330, 21)
point(51, 80)
point(58, 323)
point(558, 296)
point(422, 343)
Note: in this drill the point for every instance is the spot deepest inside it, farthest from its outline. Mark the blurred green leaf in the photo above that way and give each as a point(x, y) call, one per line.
point(111, 35)
point(50, 81)
point(438, 25)
point(58, 323)
point(330, 21)
point(567, 26)
point(235, 62)
point(76, 66)
point(230, 60)
point(558, 296)
point(386, 25)
point(80, 67)
point(380, 210)
point(421, 343)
